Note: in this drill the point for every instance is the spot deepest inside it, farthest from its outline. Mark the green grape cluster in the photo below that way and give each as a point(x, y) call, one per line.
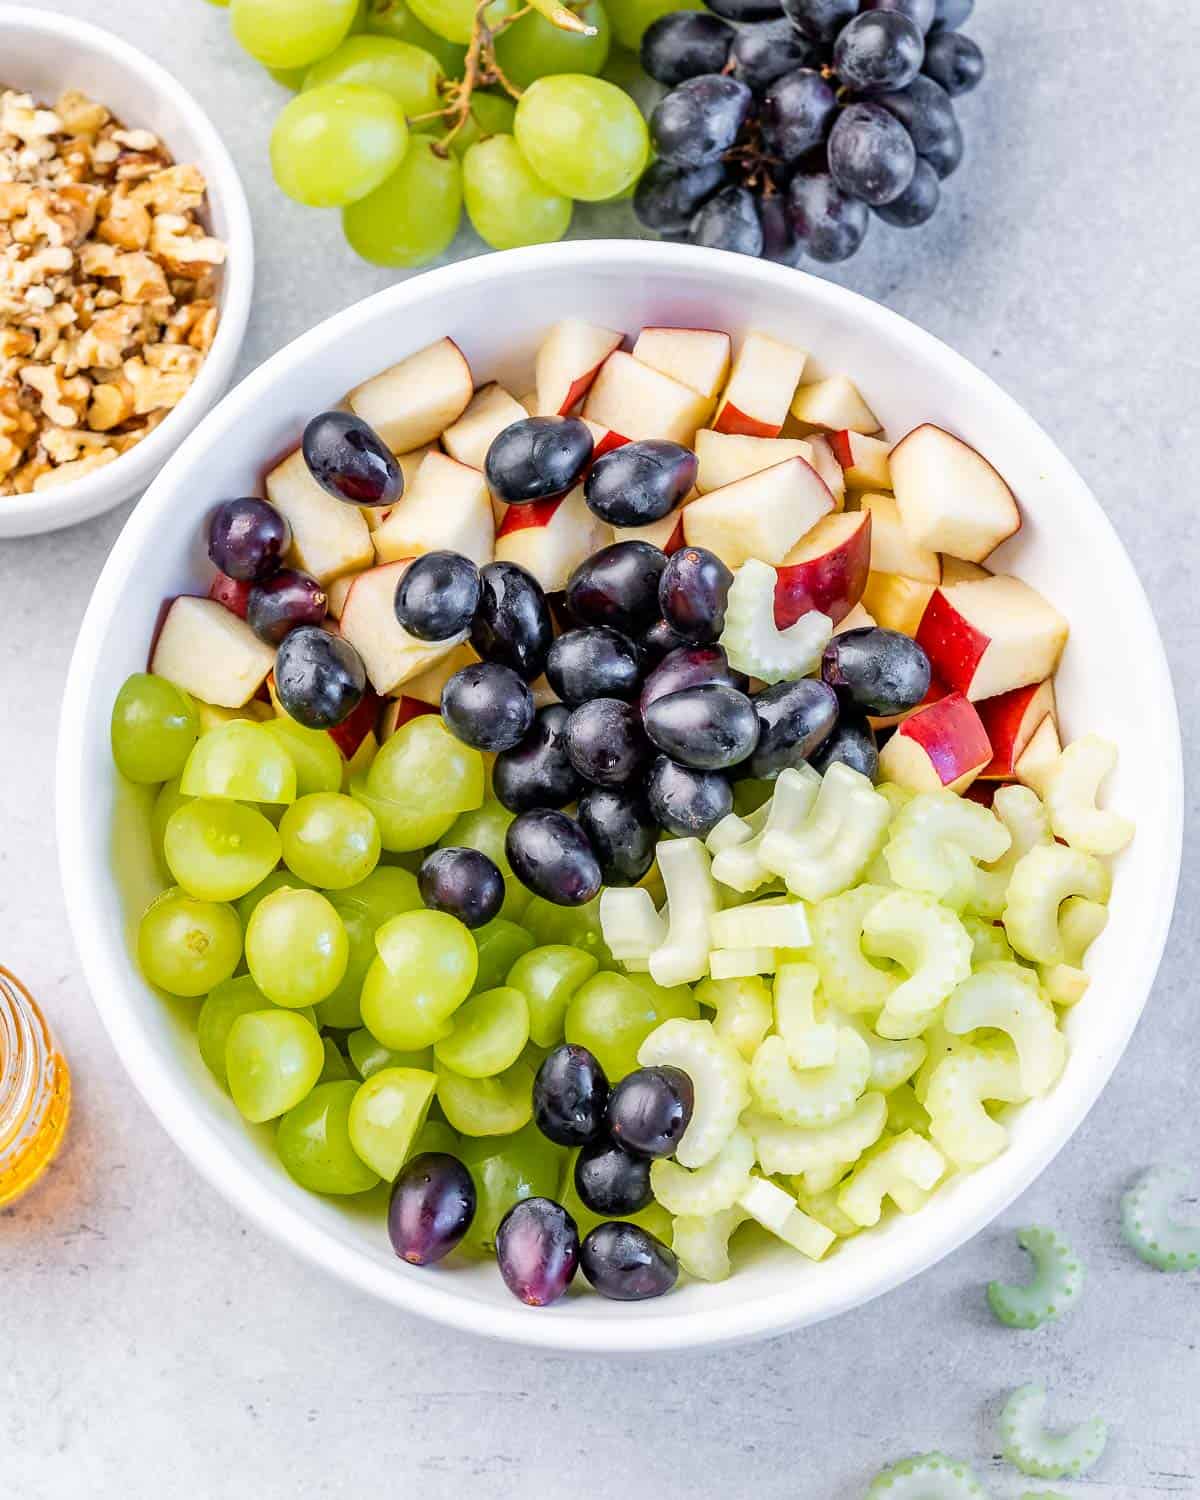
point(405, 112)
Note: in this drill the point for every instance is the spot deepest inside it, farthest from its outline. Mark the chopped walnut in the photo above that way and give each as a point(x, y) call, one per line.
point(65, 473)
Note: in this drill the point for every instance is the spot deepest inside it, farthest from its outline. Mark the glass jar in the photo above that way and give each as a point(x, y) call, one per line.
point(35, 1090)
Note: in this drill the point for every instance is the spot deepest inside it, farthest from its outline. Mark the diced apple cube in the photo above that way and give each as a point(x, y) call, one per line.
point(667, 533)
point(603, 439)
point(568, 362)
point(329, 537)
point(957, 570)
point(337, 593)
point(428, 685)
point(725, 457)
point(836, 405)
point(369, 623)
point(892, 549)
point(447, 507)
point(826, 570)
point(942, 746)
point(950, 497)
point(825, 462)
point(398, 711)
point(699, 357)
point(1040, 756)
point(550, 538)
point(988, 637)
point(491, 410)
point(762, 516)
point(859, 618)
point(208, 651)
point(416, 400)
point(933, 693)
point(898, 603)
point(350, 735)
point(761, 384)
point(1011, 720)
point(637, 402)
point(233, 593)
point(864, 460)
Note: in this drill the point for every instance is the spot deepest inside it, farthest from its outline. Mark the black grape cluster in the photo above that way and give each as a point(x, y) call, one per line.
point(788, 122)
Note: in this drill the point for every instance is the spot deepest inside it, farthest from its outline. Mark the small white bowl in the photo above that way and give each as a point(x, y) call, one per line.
point(44, 53)
point(1114, 680)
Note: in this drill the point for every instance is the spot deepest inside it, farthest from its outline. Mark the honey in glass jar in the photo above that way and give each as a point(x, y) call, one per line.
point(35, 1090)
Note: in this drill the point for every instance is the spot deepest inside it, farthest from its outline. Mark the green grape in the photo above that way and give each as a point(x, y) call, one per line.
point(222, 1006)
point(272, 1059)
point(548, 977)
point(677, 1002)
point(506, 1170)
point(340, 1008)
point(368, 1055)
point(403, 828)
point(291, 79)
point(393, 18)
point(386, 892)
point(506, 202)
point(489, 1034)
point(221, 4)
point(335, 1067)
point(574, 926)
point(422, 767)
point(277, 880)
point(313, 1142)
point(329, 840)
point(410, 74)
point(484, 828)
point(516, 900)
point(630, 18)
point(154, 726)
point(489, 114)
point(611, 1016)
point(455, 19)
point(749, 795)
point(288, 34)
point(653, 1217)
point(219, 850)
point(414, 215)
point(333, 145)
point(296, 947)
point(317, 759)
point(435, 1135)
point(583, 136)
point(533, 46)
point(387, 1112)
point(185, 946)
point(499, 943)
point(487, 1106)
point(241, 760)
point(426, 968)
point(169, 800)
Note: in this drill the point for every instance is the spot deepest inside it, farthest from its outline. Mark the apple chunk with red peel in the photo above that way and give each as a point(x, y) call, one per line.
point(636, 402)
point(667, 533)
point(350, 735)
point(411, 403)
point(550, 538)
point(428, 685)
point(1040, 756)
point(448, 507)
point(988, 637)
point(826, 570)
point(898, 603)
point(859, 618)
point(604, 440)
point(208, 651)
point(399, 711)
point(390, 655)
point(950, 497)
point(1011, 720)
point(836, 405)
point(941, 746)
point(762, 516)
point(933, 694)
point(764, 376)
point(825, 462)
point(233, 593)
point(699, 357)
point(956, 570)
point(568, 362)
point(892, 549)
point(725, 457)
point(864, 460)
point(329, 537)
point(491, 410)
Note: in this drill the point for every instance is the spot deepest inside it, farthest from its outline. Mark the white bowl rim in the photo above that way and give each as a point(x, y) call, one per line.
point(766, 1316)
point(82, 499)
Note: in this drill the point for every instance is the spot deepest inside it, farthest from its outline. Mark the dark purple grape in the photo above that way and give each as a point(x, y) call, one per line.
point(880, 671)
point(639, 483)
point(919, 12)
point(550, 854)
point(686, 802)
point(438, 595)
point(649, 1110)
point(728, 221)
point(512, 624)
point(537, 1250)
point(610, 1181)
point(658, 642)
point(488, 706)
point(764, 51)
point(618, 586)
point(708, 728)
point(431, 1207)
point(917, 203)
point(954, 61)
point(570, 1096)
point(286, 599)
point(699, 121)
point(745, 10)
point(463, 882)
point(690, 666)
point(871, 155)
point(319, 677)
point(621, 830)
point(605, 742)
point(538, 458)
point(779, 238)
point(878, 52)
point(350, 461)
point(950, 14)
point(537, 773)
point(925, 110)
point(829, 224)
point(946, 157)
point(667, 197)
point(795, 719)
point(692, 594)
point(684, 44)
point(593, 662)
point(248, 539)
point(852, 744)
point(819, 20)
point(627, 1263)
point(797, 112)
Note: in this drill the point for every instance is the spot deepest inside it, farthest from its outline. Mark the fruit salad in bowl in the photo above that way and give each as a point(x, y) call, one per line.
point(609, 822)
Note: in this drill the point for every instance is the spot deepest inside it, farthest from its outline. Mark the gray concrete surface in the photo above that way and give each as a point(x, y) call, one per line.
point(151, 1343)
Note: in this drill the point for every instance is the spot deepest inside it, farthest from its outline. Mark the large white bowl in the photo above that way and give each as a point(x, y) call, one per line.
point(1114, 679)
point(44, 53)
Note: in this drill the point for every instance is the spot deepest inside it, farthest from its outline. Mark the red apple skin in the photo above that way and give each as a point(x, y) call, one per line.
point(952, 735)
point(350, 733)
point(231, 592)
point(840, 443)
point(607, 443)
point(535, 513)
point(732, 419)
point(675, 540)
point(933, 694)
point(1010, 720)
point(833, 584)
point(983, 792)
point(954, 647)
point(579, 388)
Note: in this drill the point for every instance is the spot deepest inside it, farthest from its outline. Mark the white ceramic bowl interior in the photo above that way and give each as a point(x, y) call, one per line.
point(44, 53)
point(496, 308)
